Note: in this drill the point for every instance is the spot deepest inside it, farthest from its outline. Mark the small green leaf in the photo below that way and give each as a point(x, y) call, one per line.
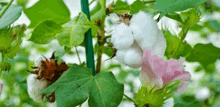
point(121, 7)
point(174, 16)
point(167, 6)
point(98, 15)
point(77, 84)
point(54, 10)
point(190, 17)
point(137, 6)
point(213, 25)
point(45, 32)
point(172, 44)
point(11, 15)
point(73, 34)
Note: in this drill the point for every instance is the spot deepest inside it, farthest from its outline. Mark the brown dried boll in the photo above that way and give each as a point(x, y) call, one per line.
point(50, 70)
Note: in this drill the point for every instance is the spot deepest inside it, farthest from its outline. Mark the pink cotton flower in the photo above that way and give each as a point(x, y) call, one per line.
point(159, 72)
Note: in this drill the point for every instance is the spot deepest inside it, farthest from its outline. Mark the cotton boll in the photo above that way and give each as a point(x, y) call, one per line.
point(122, 37)
point(133, 56)
point(123, 42)
point(202, 94)
point(160, 45)
point(144, 29)
point(35, 86)
point(120, 54)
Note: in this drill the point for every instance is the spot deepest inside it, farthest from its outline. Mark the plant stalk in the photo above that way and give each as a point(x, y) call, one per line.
point(78, 56)
point(5, 9)
point(88, 39)
point(101, 42)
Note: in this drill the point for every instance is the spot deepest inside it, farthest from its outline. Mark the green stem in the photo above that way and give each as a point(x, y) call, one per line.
point(88, 39)
point(3, 12)
point(78, 56)
point(130, 99)
point(183, 35)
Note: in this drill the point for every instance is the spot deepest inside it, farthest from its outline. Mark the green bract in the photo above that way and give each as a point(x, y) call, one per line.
point(153, 97)
point(77, 84)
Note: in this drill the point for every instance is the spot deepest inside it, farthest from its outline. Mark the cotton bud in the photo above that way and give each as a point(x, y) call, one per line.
point(35, 86)
point(202, 94)
point(122, 37)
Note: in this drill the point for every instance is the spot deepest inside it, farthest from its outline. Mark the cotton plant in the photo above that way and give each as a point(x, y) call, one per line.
point(136, 42)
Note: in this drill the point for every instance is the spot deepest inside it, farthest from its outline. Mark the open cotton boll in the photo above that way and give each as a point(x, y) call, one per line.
point(35, 86)
point(160, 45)
point(123, 42)
point(144, 29)
point(133, 56)
point(120, 54)
point(122, 37)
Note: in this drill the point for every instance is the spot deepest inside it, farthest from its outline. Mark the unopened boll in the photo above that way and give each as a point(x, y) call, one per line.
point(35, 86)
point(122, 37)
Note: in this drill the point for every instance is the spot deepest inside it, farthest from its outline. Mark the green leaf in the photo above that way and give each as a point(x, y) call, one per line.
point(205, 54)
point(172, 44)
point(167, 6)
point(137, 6)
point(77, 84)
point(54, 10)
point(191, 17)
point(213, 25)
point(174, 16)
point(11, 15)
point(121, 7)
point(45, 32)
point(98, 15)
point(73, 34)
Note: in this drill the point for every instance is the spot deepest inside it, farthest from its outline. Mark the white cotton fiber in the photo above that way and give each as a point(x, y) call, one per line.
point(160, 45)
point(133, 56)
point(145, 29)
point(35, 86)
point(122, 37)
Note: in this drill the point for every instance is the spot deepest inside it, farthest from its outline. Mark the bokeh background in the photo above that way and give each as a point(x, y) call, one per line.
point(202, 91)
